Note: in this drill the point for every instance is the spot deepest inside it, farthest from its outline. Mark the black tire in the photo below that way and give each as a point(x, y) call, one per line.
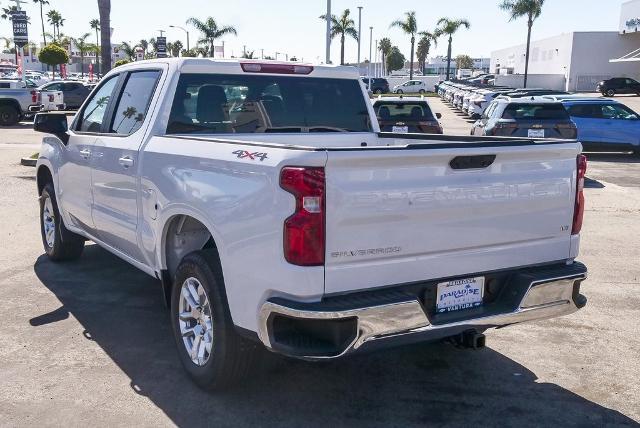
point(9, 116)
point(611, 92)
point(399, 91)
point(378, 91)
point(60, 244)
point(231, 356)
point(421, 91)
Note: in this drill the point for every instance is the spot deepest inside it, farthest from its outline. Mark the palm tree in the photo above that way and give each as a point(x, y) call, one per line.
point(83, 48)
point(7, 12)
point(385, 47)
point(42, 3)
point(424, 46)
point(410, 27)
point(95, 25)
point(449, 27)
point(129, 50)
point(104, 7)
point(176, 48)
point(532, 10)
point(342, 26)
point(210, 31)
point(56, 20)
point(144, 45)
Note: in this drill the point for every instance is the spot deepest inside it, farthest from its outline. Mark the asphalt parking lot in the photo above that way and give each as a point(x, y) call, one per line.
point(90, 340)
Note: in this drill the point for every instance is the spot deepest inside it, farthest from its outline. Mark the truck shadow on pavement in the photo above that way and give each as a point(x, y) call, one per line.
point(120, 309)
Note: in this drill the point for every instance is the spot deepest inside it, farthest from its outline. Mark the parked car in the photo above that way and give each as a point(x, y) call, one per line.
point(605, 125)
point(378, 85)
point(406, 115)
point(526, 117)
point(411, 87)
point(286, 220)
point(618, 85)
point(17, 104)
point(74, 92)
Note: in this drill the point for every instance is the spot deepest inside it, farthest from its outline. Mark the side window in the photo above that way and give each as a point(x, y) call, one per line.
point(587, 111)
point(94, 113)
point(54, 87)
point(133, 104)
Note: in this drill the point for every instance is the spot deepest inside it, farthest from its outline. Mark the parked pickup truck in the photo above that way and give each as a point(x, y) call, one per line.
point(275, 214)
point(15, 104)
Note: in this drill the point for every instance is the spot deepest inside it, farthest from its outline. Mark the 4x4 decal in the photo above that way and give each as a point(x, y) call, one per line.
point(243, 154)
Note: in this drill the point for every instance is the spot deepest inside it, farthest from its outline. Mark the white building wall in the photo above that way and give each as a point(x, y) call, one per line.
point(630, 17)
point(548, 56)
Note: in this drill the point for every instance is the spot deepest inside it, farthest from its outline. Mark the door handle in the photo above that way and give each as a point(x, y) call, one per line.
point(86, 154)
point(125, 161)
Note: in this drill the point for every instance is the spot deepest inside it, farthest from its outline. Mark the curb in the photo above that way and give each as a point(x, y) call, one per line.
point(28, 162)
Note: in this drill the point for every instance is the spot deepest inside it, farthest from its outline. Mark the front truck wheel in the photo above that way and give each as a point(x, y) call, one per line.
point(60, 244)
point(210, 350)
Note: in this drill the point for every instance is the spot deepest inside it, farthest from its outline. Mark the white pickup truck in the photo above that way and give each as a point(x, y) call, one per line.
point(275, 213)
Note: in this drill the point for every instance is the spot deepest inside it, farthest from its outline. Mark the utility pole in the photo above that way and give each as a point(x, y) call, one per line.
point(359, 33)
point(328, 53)
point(162, 33)
point(375, 64)
point(262, 54)
point(370, 53)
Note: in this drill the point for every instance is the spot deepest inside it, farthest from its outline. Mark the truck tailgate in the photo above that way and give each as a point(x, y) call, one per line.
point(402, 215)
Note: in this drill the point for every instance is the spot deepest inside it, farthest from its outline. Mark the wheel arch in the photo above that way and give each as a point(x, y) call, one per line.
point(43, 176)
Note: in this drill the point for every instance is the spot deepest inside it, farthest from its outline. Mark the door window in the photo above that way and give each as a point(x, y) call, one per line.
point(586, 111)
point(133, 104)
point(94, 113)
point(618, 112)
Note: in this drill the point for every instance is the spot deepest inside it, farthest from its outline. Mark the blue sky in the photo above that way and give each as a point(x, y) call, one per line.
point(292, 26)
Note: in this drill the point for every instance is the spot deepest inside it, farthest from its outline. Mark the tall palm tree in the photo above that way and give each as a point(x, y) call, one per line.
point(427, 39)
point(7, 12)
point(342, 26)
point(210, 31)
point(42, 3)
point(104, 8)
point(95, 25)
point(56, 21)
point(532, 10)
point(385, 47)
point(129, 50)
point(144, 45)
point(175, 49)
point(449, 27)
point(410, 27)
point(83, 47)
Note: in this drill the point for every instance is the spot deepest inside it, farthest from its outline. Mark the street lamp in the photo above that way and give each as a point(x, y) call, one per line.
point(370, 53)
point(359, 33)
point(328, 47)
point(183, 29)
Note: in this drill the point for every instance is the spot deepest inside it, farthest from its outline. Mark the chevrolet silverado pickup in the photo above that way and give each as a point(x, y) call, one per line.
point(17, 103)
point(274, 213)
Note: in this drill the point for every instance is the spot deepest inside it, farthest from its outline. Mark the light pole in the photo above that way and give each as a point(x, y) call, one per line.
point(183, 29)
point(359, 33)
point(328, 53)
point(370, 53)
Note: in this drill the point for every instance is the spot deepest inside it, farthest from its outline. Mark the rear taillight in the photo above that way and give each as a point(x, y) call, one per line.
point(34, 96)
point(578, 212)
point(501, 128)
point(304, 237)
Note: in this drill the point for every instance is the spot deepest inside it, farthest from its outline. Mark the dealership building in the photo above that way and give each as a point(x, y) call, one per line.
point(575, 61)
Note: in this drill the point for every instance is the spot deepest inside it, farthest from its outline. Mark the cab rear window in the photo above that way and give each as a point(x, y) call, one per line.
point(535, 112)
point(225, 104)
point(403, 111)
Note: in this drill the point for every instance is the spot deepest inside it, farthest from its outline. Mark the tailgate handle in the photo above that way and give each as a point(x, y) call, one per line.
point(472, 162)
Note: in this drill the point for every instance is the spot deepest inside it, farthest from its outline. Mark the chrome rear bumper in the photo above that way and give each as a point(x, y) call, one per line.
point(360, 322)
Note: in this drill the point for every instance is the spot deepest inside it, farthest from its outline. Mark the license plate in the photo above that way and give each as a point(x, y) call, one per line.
point(400, 129)
point(536, 133)
point(460, 294)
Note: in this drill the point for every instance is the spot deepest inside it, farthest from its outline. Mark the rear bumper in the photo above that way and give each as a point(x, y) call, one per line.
point(340, 325)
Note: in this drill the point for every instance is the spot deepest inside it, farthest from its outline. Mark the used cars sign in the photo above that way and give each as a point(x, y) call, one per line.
point(20, 32)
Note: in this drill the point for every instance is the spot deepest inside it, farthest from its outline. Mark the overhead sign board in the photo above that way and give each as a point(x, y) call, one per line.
point(630, 17)
point(20, 30)
point(161, 47)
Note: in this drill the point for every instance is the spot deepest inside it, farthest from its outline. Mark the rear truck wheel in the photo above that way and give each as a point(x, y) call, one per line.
point(209, 348)
point(9, 116)
point(59, 243)
point(611, 93)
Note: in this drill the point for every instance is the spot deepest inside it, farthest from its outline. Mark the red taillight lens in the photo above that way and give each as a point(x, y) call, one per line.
point(304, 238)
point(578, 212)
point(34, 96)
point(275, 68)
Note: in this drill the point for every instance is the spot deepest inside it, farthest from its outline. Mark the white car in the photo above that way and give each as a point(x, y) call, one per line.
point(412, 87)
point(274, 215)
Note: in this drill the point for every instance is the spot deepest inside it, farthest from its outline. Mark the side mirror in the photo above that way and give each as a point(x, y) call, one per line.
point(52, 123)
point(439, 115)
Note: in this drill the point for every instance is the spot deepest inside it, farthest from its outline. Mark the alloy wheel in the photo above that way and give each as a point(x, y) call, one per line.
point(195, 321)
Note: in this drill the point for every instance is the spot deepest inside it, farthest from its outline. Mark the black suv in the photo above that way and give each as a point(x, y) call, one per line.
point(378, 85)
point(618, 85)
